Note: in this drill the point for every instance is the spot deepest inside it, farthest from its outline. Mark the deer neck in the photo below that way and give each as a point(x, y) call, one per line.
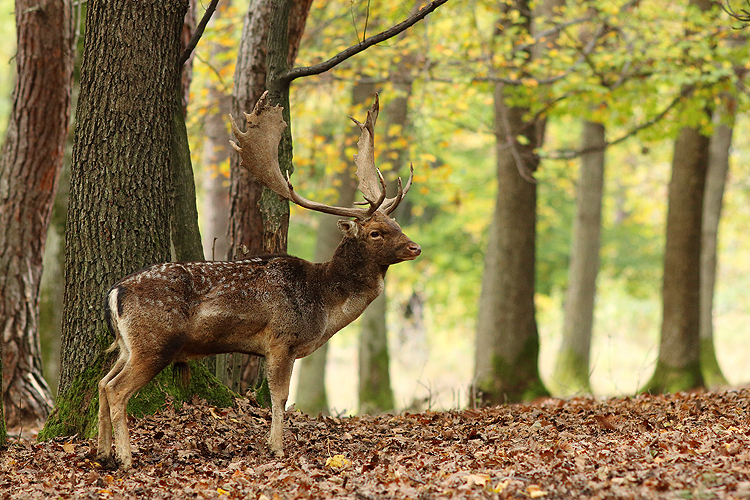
point(352, 272)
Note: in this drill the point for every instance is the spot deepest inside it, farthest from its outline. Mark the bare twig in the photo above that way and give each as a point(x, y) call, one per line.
point(345, 54)
point(199, 29)
point(743, 15)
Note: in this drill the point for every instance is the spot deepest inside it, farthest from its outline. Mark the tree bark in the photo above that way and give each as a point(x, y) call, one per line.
point(678, 365)
point(572, 368)
point(118, 219)
point(30, 166)
point(507, 341)
point(716, 178)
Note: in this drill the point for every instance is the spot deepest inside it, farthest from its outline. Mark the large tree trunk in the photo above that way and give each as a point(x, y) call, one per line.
point(507, 344)
point(718, 168)
point(678, 366)
point(507, 341)
point(30, 166)
point(118, 219)
point(246, 227)
point(572, 369)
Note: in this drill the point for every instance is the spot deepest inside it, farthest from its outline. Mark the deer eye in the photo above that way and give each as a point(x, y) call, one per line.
point(374, 234)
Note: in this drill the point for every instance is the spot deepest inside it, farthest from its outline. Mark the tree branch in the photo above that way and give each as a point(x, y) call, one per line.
point(199, 29)
point(345, 54)
point(570, 154)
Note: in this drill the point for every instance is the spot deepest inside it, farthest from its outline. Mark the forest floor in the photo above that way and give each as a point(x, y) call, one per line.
point(672, 446)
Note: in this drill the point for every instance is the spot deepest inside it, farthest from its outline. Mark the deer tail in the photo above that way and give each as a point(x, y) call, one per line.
point(112, 310)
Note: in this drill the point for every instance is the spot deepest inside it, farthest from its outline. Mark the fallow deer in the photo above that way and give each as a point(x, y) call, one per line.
point(277, 306)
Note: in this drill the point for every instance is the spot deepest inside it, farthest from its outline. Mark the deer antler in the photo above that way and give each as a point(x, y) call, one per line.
point(258, 149)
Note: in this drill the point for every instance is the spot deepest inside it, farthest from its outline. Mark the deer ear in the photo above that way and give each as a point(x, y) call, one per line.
point(349, 228)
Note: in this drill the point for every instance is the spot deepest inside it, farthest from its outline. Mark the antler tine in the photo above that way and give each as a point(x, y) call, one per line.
point(392, 203)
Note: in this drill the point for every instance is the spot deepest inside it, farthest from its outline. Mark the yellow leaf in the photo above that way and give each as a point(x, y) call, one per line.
point(500, 487)
point(222, 491)
point(69, 448)
point(338, 462)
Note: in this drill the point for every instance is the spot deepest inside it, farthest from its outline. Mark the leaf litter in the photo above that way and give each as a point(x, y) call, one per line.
point(687, 445)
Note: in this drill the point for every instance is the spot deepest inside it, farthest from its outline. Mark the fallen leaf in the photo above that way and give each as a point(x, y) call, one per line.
point(478, 479)
point(338, 462)
point(534, 491)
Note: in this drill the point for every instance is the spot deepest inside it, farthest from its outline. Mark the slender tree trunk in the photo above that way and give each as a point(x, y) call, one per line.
point(375, 391)
point(215, 178)
point(118, 218)
point(30, 165)
point(718, 168)
point(572, 369)
point(507, 345)
point(311, 388)
point(186, 236)
point(246, 227)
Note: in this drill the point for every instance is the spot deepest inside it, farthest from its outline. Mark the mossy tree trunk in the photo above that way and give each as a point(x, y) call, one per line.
point(571, 373)
point(118, 220)
point(507, 342)
point(30, 164)
point(678, 367)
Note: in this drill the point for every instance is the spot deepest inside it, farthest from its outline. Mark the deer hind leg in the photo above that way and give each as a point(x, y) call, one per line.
point(279, 370)
point(104, 443)
point(137, 371)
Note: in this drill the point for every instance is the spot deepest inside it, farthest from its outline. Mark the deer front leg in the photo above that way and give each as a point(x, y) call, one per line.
point(279, 372)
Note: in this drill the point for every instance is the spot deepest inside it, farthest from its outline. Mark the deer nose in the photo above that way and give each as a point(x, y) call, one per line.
point(415, 249)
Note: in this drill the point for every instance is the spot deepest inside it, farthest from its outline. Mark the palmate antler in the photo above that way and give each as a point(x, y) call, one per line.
point(258, 149)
